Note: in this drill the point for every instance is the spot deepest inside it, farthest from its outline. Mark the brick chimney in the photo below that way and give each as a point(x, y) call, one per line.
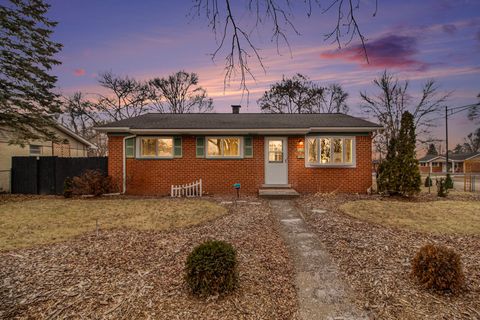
point(236, 108)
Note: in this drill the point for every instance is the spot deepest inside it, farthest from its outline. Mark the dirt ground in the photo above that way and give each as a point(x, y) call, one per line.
point(131, 274)
point(375, 260)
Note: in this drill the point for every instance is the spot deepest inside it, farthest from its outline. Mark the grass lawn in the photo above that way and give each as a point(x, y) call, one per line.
point(46, 220)
point(462, 217)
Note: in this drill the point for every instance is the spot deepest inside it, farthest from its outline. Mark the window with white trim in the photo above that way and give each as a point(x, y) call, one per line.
point(330, 151)
point(224, 147)
point(156, 147)
point(35, 150)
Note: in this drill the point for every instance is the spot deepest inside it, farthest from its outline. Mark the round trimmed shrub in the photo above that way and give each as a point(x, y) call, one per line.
point(211, 268)
point(441, 188)
point(438, 268)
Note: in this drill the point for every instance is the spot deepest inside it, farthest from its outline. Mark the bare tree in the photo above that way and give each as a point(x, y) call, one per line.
point(474, 112)
point(180, 93)
point(126, 97)
point(234, 33)
point(472, 142)
point(80, 116)
point(301, 95)
point(295, 95)
point(393, 100)
point(334, 100)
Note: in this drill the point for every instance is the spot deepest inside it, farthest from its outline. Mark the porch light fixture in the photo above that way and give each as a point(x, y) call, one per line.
point(300, 149)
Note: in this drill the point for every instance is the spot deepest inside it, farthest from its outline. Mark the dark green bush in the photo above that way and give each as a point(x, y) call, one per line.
point(428, 182)
point(448, 182)
point(438, 268)
point(212, 268)
point(68, 187)
point(441, 188)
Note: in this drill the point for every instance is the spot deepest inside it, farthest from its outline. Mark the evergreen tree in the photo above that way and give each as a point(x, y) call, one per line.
point(27, 101)
point(428, 182)
point(399, 173)
point(409, 178)
point(432, 150)
point(448, 182)
point(387, 181)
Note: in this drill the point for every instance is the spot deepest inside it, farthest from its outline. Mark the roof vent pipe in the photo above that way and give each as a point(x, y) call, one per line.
point(236, 108)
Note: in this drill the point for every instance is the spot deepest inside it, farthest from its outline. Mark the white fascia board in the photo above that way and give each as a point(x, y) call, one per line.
point(345, 129)
point(433, 159)
point(112, 129)
point(279, 131)
point(75, 136)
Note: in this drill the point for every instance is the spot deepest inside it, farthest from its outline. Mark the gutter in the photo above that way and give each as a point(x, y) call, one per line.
point(124, 164)
point(241, 131)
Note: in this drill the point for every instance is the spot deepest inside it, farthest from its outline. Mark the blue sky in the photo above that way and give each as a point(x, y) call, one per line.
point(415, 40)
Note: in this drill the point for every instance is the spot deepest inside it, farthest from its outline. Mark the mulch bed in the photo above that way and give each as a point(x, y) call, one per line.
point(128, 274)
point(375, 261)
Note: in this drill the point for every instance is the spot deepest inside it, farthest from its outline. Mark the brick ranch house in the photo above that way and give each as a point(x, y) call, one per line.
point(458, 163)
point(304, 152)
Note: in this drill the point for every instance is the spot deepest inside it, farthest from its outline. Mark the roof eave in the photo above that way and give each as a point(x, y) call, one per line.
point(238, 131)
point(75, 136)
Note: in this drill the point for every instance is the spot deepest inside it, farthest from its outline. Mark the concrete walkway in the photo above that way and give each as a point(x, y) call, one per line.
point(321, 294)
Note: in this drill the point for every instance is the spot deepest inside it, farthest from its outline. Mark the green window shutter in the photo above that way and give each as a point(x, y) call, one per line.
point(200, 149)
point(130, 148)
point(248, 147)
point(177, 147)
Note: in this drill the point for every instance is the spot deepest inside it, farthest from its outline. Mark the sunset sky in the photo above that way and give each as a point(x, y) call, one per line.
point(415, 40)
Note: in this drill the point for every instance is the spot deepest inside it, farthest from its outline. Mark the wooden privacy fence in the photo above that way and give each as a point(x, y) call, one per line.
point(193, 189)
point(46, 175)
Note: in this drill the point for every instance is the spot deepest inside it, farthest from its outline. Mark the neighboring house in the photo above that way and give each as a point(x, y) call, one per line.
point(307, 152)
point(458, 163)
point(72, 146)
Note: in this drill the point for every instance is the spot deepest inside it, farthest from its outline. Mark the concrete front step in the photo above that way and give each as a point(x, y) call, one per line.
point(277, 192)
point(273, 186)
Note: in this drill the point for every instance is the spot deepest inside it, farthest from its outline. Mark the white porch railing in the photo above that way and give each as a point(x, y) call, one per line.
point(193, 189)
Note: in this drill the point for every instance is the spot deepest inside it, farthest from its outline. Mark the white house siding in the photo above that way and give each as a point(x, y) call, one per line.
point(74, 148)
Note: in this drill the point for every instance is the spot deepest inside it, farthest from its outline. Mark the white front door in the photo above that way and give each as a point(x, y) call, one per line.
point(276, 165)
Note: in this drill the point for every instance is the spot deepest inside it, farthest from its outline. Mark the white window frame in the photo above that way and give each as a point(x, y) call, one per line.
point(207, 156)
point(138, 150)
point(330, 165)
point(39, 149)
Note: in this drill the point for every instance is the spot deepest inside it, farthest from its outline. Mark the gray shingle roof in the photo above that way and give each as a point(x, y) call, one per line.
point(428, 157)
point(240, 121)
point(451, 156)
point(462, 156)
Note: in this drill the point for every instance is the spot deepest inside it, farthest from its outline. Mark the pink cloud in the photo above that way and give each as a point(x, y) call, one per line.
point(79, 72)
point(390, 51)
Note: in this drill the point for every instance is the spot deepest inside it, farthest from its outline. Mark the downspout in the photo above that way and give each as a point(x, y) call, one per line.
point(124, 167)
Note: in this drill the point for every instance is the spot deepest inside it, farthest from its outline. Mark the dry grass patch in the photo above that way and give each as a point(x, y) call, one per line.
point(132, 274)
point(41, 221)
point(447, 217)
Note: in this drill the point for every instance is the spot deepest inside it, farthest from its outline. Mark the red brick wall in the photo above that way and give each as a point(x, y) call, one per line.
point(115, 162)
point(155, 177)
point(357, 179)
point(472, 165)
point(435, 169)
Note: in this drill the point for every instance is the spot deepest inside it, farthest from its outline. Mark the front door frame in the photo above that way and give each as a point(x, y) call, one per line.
point(284, 162)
